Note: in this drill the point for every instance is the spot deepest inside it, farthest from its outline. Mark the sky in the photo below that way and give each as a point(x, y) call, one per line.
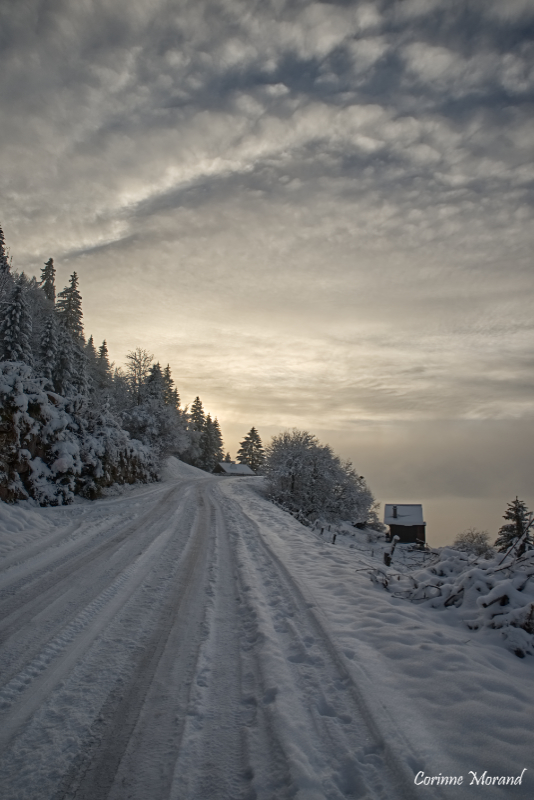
point(318, 213)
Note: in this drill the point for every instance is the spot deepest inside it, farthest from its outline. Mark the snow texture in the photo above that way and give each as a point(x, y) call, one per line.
point(48, 454)
point(190, 640)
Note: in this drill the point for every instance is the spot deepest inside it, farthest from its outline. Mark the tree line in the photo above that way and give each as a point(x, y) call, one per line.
point(71, 422)
point(514, 538)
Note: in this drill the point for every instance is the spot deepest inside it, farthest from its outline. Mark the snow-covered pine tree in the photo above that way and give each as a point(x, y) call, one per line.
point(81, 379)
point(69, 308)
point(172, 398)
point(16, 329)
point(5, 268)
point(90, 352)
point(218, 442)
point(251, 451)
point(48, 351)
point(196, 422)
point(47, 283)
point(228, 458)
point(65, 366)
point(103, 355)
point(197, 416)
point(210, 444)
point(120, 395)
point(516, 534)
point(103, 375)
point(155, 384)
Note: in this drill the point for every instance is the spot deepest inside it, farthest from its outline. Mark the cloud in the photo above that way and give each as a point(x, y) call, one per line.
point(313, 211)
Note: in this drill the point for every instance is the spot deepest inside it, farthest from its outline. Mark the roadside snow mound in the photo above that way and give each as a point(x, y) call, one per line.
point(174, 468)
point(496, 593)
point(16, 519)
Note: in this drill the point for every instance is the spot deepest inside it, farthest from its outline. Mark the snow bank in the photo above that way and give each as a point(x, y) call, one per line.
point(461, 698)
point(20, 525)
point(174, 468)
point(496, 593)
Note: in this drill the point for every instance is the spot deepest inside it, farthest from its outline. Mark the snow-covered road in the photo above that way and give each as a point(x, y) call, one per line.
point(162, 645)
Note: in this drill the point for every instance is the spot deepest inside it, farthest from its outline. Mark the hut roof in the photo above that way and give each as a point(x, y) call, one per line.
point(406, 514)
point(231, 468)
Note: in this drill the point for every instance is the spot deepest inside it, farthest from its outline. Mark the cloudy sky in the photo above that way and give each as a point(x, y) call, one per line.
point(319, 213)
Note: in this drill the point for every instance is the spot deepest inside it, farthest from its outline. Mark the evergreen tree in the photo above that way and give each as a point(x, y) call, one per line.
point(5, 267)
point(81, 379)
point(103, 375)
point(16, 329)
point(218, 441)
point(211, 444)
point(69, 308)
point(103, 355)
point(48, 350)
point(172, 398)
point(155, 384)
point(47, 284)
point(90, 352)
point(228, 458)
point(251, 451)
point(197, 416)
point(517, 531)
point(65, 365)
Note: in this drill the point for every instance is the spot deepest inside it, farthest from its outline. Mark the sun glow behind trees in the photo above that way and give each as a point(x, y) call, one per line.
point(70, 423)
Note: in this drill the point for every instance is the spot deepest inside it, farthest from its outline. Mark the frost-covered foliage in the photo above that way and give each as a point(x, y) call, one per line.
point(304, 475)
point(69, 422)
point(109, 455)
point(493, 593)
point(39, 454)
point(157, 425)
point(205, 447)
point(6, 280)
point(251, 451)
point(49, 454)
point(515, 536)
point(16, 329)
point(474, 541)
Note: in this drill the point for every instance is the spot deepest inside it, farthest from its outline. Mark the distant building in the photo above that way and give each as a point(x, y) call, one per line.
point(405, 521)
point(231, 468)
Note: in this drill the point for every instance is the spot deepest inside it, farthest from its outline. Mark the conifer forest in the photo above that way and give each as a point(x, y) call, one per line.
point(71, 422)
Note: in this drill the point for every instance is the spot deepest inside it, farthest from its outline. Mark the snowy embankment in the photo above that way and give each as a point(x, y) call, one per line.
point(190, 640)
point(461, 698)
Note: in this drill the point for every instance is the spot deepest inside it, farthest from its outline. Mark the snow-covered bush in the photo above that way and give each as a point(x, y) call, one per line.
point(109, 456)
point(157, 426)
point(304, 475)
point(475, 542)
point(49, 454)
point(39, 453)
point(488, 593)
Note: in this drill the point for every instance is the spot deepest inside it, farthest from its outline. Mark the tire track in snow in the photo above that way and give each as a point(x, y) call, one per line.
point(15, 588)
point(137, 735)
point(24, 693)
point(340, 751)
point(39, 609)
point(213, 760)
